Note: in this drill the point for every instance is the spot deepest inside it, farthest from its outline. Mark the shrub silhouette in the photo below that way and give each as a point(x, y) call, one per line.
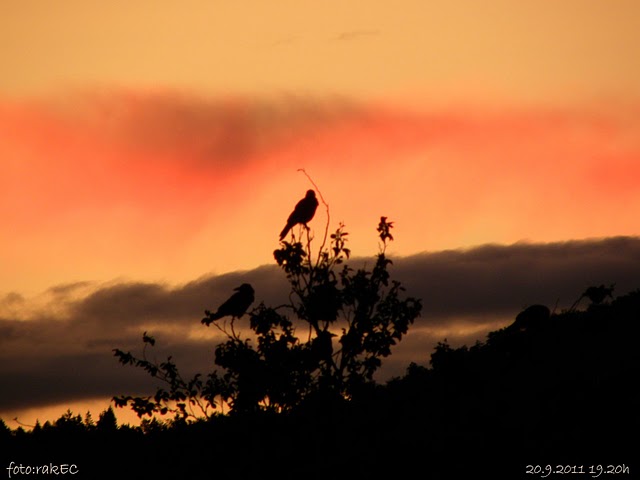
point(348, 319)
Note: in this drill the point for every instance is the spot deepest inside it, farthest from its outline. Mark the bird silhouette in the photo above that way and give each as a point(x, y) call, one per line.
point(235, 306)
point(531, 317)
point(303, 212)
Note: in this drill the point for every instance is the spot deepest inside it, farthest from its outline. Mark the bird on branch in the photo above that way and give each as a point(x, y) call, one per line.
point(303, 213)
point(235, 306)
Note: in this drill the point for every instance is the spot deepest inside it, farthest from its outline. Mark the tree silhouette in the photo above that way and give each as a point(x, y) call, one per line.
point(322, 347)
point(107, 421)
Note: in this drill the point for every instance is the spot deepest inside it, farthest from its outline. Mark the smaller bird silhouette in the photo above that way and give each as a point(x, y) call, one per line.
point(531, 317)
point(597, 295)
point(235, 306)
point(303, 212)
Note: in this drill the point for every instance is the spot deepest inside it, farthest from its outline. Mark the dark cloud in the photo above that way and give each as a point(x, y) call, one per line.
point(37, 380)
point(136, 303)
point(495, 279)
point(66, 289)
point(11, 298)
point(65, 352)
point(222, 132)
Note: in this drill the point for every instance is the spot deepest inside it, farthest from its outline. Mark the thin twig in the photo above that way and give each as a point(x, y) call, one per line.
point(23, 424)
point(326, 228)
point(223, 330)
point(233, 332)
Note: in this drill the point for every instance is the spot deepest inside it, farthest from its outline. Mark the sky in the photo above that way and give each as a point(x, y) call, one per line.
point(150, 153)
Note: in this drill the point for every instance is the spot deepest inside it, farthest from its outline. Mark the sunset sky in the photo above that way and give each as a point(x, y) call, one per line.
point(150, 155)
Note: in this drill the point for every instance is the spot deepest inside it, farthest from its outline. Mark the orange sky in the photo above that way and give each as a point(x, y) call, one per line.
point(95, 195)
point(530, 50)
point(160, 141)
point(139, 139)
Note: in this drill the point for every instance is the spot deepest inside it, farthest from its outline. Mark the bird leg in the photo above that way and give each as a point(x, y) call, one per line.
point(223, 329)
point(233, 332)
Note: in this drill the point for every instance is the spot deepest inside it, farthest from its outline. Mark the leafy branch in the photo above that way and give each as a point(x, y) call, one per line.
point(353, 318)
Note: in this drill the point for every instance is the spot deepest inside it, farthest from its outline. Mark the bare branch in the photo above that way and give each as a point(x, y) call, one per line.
point(326, 205)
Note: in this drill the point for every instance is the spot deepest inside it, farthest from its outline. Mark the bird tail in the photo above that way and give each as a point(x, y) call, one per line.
point(210, 317)
point(285, 230)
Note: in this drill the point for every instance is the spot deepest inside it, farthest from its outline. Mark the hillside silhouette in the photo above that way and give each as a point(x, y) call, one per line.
point(293, 393)
point(559, 389)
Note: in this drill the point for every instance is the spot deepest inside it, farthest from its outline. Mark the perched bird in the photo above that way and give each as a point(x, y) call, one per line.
point(598, 294)
point(532, 316)
point(303, 213)
point(235, 306)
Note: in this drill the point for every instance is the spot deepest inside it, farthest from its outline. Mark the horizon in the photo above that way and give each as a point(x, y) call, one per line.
point(467, 293)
